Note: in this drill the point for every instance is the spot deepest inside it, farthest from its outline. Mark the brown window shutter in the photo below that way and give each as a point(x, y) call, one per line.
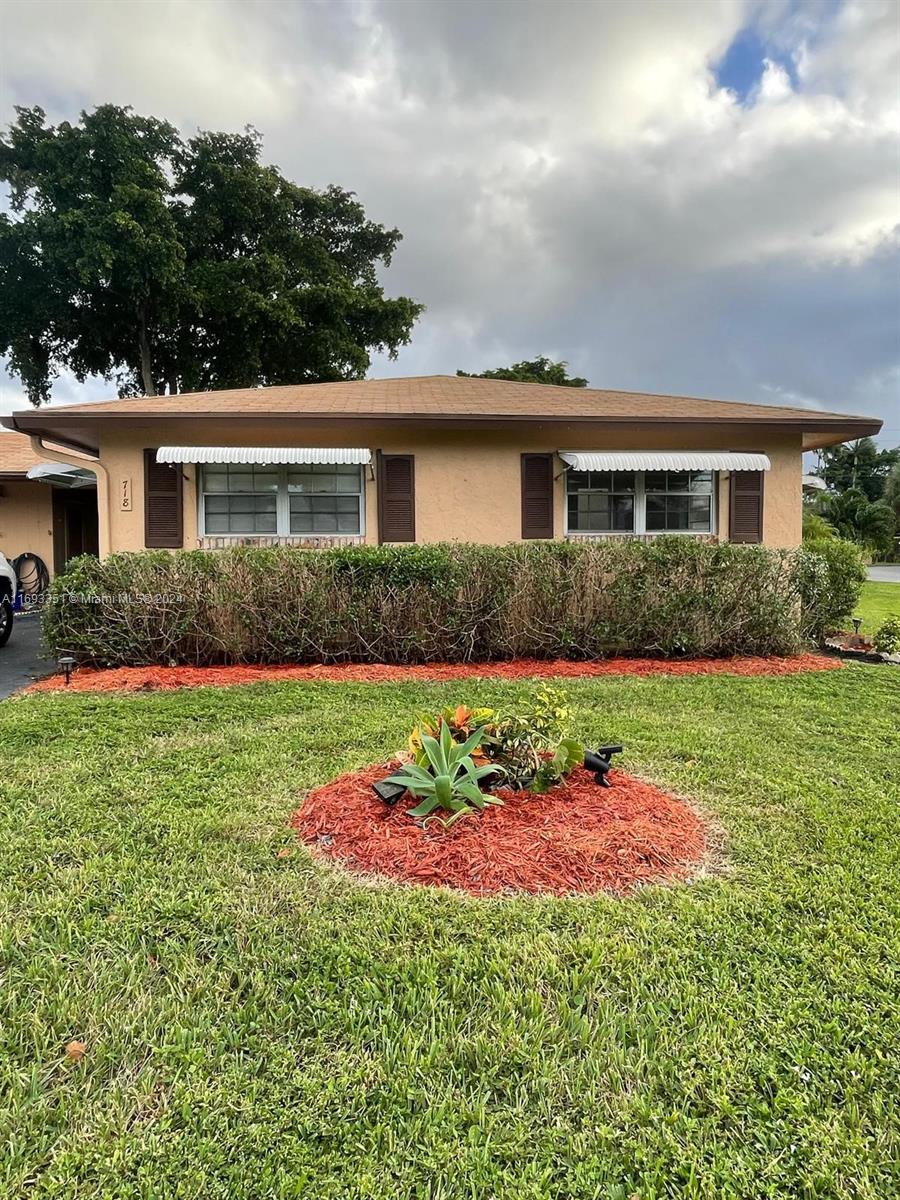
point(746, 524)
point(163, 504)
point(396, 497)
point(537, 495)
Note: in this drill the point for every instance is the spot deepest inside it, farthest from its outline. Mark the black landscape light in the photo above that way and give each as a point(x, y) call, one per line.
point(66, 664)
point(598, 761)
point(388, 791)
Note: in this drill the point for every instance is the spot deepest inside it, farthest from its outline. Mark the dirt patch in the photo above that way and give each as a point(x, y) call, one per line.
point(578, 838)
point(144, 679)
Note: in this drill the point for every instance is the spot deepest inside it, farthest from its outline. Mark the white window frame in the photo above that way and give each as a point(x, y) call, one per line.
point(640, 514)
point(282, 504)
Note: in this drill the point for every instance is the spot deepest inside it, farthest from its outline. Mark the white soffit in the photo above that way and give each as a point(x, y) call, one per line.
point(663, 460)
point(263, 456)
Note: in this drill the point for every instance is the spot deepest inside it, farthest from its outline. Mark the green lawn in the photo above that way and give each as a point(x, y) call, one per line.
point(260, 1026)
point(877, 602)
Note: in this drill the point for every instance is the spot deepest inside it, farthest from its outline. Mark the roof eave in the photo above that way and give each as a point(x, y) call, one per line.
point(46, 432)
point(817, 431)
point(820, 437)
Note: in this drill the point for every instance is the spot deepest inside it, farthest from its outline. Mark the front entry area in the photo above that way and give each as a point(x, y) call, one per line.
point(75, 527)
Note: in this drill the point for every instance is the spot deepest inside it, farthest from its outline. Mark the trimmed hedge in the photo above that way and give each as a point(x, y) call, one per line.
point(455, 603)
point(831, 572)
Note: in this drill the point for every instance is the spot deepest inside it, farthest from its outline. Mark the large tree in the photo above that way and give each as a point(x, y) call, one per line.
point(539, 370)
point(858, 464)
point(181, 265)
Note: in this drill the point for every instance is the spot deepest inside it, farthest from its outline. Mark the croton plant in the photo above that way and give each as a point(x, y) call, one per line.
point(454, 754)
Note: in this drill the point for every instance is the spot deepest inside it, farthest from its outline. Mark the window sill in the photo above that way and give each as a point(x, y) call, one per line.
point(640, 537)
point(321, 541)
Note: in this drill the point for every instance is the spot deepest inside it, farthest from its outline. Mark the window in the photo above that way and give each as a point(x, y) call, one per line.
point(324, 499)
point(640, 501)
point(308, 499)
point(679, 501)
point(600, 501)
point(240, 499)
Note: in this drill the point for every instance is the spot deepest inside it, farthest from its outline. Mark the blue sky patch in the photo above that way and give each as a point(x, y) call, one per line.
point(741, 67)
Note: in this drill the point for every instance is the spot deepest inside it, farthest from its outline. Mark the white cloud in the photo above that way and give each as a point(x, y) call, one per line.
point(569, 177)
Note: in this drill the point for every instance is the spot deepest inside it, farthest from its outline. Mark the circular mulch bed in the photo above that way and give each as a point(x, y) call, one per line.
point(578, 838)
point(145, 679)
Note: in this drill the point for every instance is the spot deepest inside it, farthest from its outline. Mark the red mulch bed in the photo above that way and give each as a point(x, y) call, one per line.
point(578, 838)
point(145, 679)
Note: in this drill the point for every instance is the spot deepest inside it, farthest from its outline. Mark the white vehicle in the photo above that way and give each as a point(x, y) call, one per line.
point(8, 585)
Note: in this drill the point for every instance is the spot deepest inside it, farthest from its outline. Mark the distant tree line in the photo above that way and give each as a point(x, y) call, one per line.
point(862, 500)
point(537, 370)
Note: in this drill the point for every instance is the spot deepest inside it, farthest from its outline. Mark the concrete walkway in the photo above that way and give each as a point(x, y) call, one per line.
point(22, 659)
point(884, 573)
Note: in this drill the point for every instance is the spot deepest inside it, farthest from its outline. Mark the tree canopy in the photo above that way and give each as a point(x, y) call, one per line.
point(181, 265)
point(858, 464)
point(539, 370)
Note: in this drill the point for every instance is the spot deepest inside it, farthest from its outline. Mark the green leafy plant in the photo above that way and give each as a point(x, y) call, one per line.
point(522, 740)
point(887, 639)
point(452, 783)
point(569, 754)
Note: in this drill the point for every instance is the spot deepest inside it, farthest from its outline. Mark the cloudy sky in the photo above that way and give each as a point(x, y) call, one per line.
point(697, 196)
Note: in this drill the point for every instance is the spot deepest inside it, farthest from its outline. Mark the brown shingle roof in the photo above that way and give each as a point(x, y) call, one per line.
point(16, 455)
point(442, 396)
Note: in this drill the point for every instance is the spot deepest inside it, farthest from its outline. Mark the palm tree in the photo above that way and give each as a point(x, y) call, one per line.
point(854, 516)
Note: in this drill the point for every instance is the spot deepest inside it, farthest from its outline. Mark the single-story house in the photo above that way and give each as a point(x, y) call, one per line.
point(433, 459)
point(47, 508)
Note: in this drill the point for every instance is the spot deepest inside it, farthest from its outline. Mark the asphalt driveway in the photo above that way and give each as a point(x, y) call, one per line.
point(22, 659)
point(884, 573)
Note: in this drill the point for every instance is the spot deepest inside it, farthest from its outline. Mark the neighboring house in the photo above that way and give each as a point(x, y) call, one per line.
point(46, 508)
point(438, 458)
point(812, 484)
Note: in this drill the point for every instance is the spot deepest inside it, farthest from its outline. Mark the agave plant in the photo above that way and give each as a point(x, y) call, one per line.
point(452, 782)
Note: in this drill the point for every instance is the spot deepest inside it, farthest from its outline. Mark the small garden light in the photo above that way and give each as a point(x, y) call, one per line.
point(857, 624)
point(66, 663)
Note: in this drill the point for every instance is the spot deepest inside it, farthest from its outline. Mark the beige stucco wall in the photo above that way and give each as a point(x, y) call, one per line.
point(26, 519)
point(468, 483)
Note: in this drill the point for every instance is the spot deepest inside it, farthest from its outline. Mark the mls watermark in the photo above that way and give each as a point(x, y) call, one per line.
point(114, 599)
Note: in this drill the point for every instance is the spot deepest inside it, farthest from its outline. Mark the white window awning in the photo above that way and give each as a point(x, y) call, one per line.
point(263, 456)
point(663, 460)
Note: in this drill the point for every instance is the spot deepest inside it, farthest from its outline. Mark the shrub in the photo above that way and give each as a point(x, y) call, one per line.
point(831, 573)
point(458, 603)
point(887, 639)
